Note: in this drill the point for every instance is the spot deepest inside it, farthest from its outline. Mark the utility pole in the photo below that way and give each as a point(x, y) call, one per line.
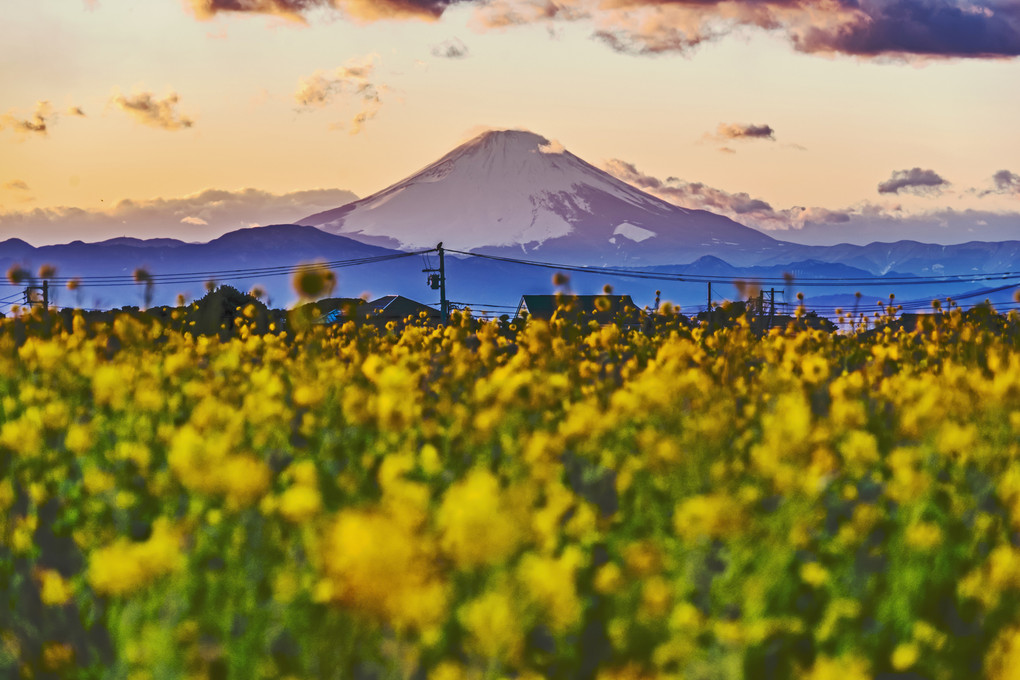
point(44, 289)
point(772, 305)
point(708, 308)
point(443, 304)
point(760, 322)
point(437, 281)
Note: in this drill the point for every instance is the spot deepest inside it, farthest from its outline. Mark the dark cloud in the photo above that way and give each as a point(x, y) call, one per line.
point(38, 123)
point(146, 109)
point(728, 132)
point(198, 217)
point(940, 28)
point(926, 28)
point(75, 111)
point(363, 10)
point(742, 131)
point(454, 48)
point(16, 185)
point(1006, 182)
point(914, 181)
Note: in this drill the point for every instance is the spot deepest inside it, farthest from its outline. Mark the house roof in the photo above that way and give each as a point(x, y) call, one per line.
point(397, 306)
point(388, 307)
point(544, 306)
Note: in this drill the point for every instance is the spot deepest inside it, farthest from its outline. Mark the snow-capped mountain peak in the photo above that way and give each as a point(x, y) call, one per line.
point(513, 188)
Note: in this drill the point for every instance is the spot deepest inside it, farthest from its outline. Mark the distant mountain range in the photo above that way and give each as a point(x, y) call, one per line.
point(509, 194)
point(234, 258)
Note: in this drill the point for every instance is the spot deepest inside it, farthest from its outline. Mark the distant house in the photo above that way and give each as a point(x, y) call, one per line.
point(604, 309)
point(395, 308)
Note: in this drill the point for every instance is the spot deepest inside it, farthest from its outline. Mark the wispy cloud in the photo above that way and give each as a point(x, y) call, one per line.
point(740, 206)
point(454, 48)
point(298, 10)
point(37, 123)
point(552, 147)
point(199, 217)
point(16, 185)
point(694, 195)
point(352, 82)
point(1004, 182)
point(917, 181)
point(160, 113)
point(320, 88)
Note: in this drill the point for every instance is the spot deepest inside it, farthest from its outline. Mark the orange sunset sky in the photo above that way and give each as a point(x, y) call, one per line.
point(815, 120)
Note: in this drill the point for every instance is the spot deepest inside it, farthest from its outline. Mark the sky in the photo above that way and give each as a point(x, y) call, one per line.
point(819, 121)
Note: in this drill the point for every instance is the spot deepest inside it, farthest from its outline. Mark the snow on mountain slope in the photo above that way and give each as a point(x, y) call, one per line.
point(513, 189)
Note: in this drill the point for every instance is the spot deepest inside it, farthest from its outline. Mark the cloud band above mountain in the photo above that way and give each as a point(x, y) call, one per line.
point(860, 224)
point(928, 28)
point(867, 28)
point(198, 217)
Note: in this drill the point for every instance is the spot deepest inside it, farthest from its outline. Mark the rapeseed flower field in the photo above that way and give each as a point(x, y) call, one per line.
point(489, 500)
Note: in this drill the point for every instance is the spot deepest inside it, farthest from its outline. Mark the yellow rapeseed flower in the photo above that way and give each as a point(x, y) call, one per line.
point(608, 578)
point(814, 574)
point(476, 521)
point(905, 655)
point(375, 564)
point(493, 624)
point(923, 536)
point(300, 503)
point(550, 582)
point(53, 589)
point(124, 567)
point(840, 668)
point(1003, 659)
point(707, 516)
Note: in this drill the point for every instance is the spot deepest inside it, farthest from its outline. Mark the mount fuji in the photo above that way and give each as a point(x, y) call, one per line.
point(516, 193)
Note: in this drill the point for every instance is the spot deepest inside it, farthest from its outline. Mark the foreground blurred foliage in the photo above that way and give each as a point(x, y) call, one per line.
point(488, 500)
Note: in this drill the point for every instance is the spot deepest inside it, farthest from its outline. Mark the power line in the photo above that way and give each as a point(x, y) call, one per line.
point(227, 274)
point(483, 304)
point(706, 278)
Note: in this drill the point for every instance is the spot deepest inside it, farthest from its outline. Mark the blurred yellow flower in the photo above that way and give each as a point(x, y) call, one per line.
point(707, 516)
point(905, 655)
point(476, 522)
point(493, 624)
point(550, 582)
point(54, 590)
point(124, 567)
